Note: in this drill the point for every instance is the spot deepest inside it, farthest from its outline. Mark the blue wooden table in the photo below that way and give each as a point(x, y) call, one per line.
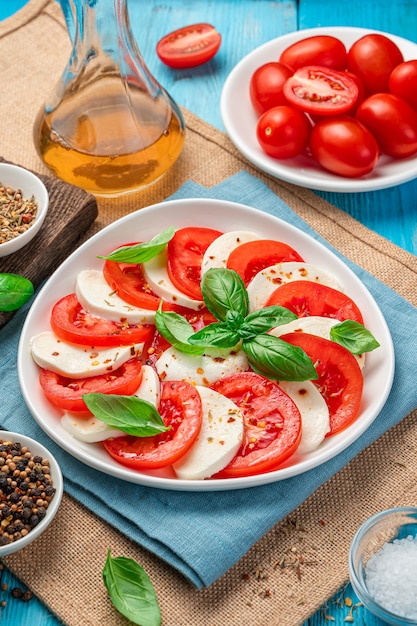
point(244, 25)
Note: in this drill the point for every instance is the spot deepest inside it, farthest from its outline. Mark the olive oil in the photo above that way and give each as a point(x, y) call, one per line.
point(110, 138)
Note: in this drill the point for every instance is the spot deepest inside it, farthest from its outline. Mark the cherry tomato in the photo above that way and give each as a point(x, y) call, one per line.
point(180, 408)
point(250, 258)
point(189, 46)
point(403, 82)
point(265, 87)
point(321, 50)
point(283, 132)
point(315, 89)
point(305, 298)
point(66, 393)
point(272, 424)
point(128, 281)
point(72, 323)
point(344, 146)
point(185, 254)
point(372, 58)
point(340, 380)
point(392, 121)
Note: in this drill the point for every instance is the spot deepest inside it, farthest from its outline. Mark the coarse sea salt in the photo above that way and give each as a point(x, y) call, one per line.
point(391, 577)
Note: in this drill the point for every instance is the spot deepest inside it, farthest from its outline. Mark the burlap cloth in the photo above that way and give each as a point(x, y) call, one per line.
point(64, 566)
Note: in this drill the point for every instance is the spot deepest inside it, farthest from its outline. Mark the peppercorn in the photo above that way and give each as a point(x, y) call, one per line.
point(26, 489)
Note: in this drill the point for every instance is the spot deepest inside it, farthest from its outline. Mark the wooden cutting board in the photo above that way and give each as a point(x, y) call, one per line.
point(71, 212)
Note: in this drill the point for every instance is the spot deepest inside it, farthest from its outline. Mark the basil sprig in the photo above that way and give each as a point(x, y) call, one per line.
point(131, 591)
point(353, 336)
point(177, 330)
point(15, 290)
point(141, 252)
point(226, 297)
point(130, 414)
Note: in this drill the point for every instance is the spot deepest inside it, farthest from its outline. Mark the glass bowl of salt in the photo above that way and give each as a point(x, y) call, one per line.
point(383, 565)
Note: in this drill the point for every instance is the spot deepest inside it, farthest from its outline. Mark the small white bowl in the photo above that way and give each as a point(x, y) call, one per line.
point(16, 178)
point(36, 449)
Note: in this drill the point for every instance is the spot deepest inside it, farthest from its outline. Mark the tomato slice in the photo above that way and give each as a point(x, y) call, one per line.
point(340, 378)
point(272, 424)
point(185, 254)
point(252, 257)
point(314, 89)
point(180, 408)
point(66, 393)
point(72, 323)
point(128, 280)
point(304, 298)
point(189, 46)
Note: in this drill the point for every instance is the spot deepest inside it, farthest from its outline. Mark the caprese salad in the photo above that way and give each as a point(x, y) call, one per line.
point(217, 354)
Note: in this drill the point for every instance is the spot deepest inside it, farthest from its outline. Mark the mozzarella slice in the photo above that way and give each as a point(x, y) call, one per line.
point(96, 297)
point(202, 369)
point(73, 361)
point(314, 412)
point(219, 439)
point(314, 325)
point(92, 430)
point(156, 274)
point(264, 283)
point(220, 249)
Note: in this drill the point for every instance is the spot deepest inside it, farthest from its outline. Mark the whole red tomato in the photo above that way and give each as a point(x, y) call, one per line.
point(372, 58)
point(403, 82)
point(266, 85)
point(344, 146)
point(392, 121)
point(283, 132)
point(323, 50)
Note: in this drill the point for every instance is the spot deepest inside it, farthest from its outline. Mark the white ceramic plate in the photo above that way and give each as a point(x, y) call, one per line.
point(240, 121)
point(224, 216)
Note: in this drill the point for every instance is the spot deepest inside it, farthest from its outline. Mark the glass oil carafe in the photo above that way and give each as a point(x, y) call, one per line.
point(109, 127)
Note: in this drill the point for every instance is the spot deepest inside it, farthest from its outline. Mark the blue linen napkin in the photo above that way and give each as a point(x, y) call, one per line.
point(204, 534)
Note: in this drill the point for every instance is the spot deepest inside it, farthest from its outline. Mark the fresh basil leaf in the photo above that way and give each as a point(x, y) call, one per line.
point(177, 330)
point(224, 290)
point(131, 591)
point(131, 414)
point(141, 252)
point(276, 359)
point(263, 320)
point(234, 320)
point(15, 290)
point(353, 336)
point(217, 335)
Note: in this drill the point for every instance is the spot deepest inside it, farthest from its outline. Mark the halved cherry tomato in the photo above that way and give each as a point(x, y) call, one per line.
point(372, 58)
point(392, 121)
point(250, 258)
point(344, 146)
point(272, 424)
point(266, 84)
point(72, 323)
point(128, 280)
point(189, 46)
point(305, 298)
point(322, 90)
point(66, 393)
point(323, 50)
point(403, 82)
point(185, 254)
point(340, 380)
point(283, 132)
point(180, 408)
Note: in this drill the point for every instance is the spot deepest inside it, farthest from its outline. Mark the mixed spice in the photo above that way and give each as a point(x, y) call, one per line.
point(26, 489)
point(17, 213)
